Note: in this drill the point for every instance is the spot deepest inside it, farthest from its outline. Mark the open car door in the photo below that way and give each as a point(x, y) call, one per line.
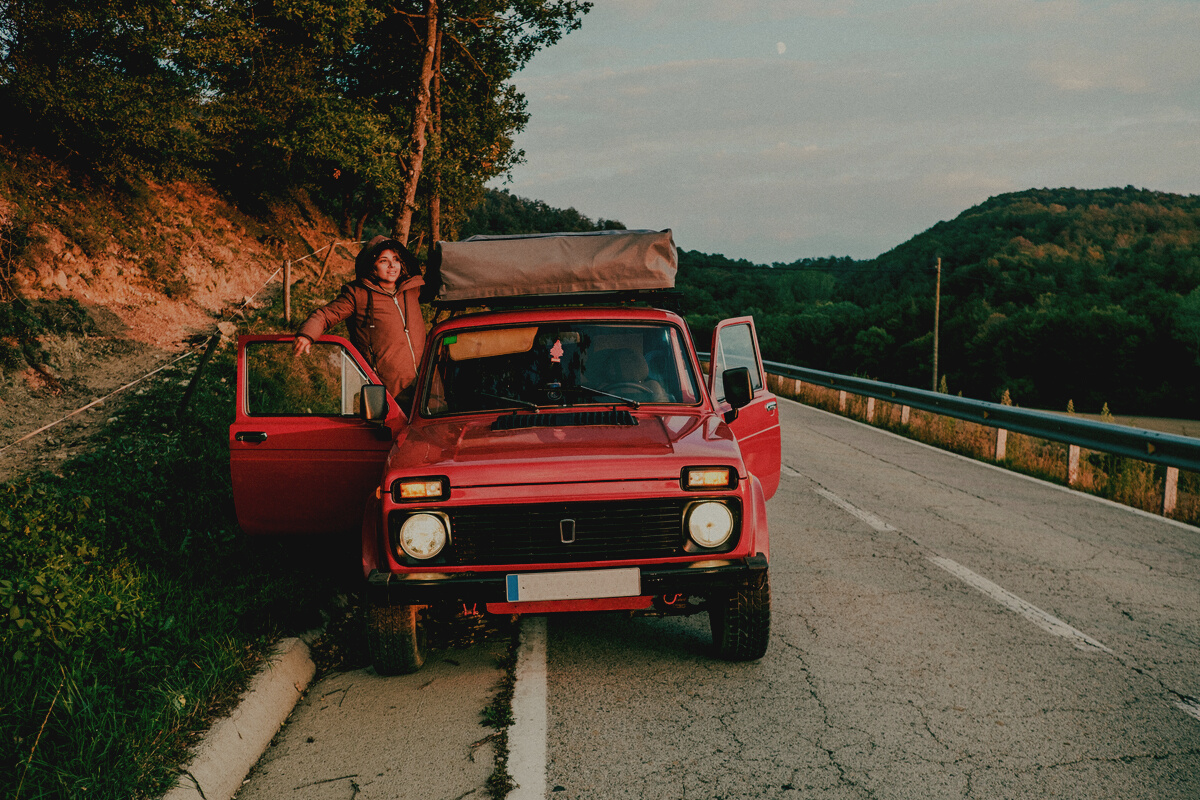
point(735, 344)
point(302, 460)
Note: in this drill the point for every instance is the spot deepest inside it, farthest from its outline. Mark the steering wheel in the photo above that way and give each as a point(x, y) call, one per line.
point(632, 390)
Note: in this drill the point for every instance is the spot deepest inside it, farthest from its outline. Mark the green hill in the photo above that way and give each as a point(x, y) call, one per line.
point(1052, 294)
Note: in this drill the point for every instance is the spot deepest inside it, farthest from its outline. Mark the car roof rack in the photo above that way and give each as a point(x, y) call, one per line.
point(666, 299)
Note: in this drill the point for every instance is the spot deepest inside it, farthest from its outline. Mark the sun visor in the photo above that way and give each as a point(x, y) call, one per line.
point(484, 267)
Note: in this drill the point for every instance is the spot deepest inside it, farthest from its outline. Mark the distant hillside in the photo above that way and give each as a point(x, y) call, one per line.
point(500, 213)
point(1053, 294)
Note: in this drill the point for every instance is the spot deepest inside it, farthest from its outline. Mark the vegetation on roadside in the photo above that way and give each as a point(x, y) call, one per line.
point(1138, 484)
point(133, 609)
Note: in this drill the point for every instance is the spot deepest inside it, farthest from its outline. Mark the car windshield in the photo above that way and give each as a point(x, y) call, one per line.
point(558, 364)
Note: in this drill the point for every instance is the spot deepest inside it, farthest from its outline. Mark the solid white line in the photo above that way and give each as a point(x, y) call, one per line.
point(866, 516)
point(527, 735)
point(1047, 622)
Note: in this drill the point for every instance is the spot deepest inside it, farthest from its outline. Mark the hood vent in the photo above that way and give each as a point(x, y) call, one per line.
point(612, 416)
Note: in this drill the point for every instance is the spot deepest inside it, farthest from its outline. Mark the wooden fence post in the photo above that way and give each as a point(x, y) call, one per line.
point(1170, 491)
point(1001, 444)
point(1072, 464)
point(287, 291)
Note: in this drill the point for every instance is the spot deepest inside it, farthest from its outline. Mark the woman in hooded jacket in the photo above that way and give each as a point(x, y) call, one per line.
point(382, 312)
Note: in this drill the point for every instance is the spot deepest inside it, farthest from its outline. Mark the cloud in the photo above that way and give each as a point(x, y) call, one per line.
point(881, 121)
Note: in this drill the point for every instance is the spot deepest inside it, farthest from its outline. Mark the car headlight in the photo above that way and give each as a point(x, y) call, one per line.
point(710, 524)
point(424, 535)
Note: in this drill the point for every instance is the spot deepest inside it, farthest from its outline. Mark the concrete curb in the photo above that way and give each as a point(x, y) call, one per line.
point(234, 744)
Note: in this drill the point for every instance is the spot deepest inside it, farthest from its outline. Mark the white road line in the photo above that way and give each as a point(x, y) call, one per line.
point(1189, 707)
point(527, 735)
point(1047, 622)
point(866, 516)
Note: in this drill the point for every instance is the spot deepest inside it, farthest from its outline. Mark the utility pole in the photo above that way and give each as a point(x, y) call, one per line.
point(937, 315)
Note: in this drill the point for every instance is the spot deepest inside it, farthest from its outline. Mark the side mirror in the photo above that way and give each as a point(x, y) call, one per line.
point(373, 406)
point(738, 391)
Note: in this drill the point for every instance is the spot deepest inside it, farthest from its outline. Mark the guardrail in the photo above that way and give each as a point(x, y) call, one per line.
point(1173, 451)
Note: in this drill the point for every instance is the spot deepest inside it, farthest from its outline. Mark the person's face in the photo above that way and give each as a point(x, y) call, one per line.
point(388, 267)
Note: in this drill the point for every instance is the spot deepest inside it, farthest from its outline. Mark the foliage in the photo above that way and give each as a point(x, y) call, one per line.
point(23, 321)
point(500, 213)
point(265, 97)
point(1050, 294)
point(132, 606)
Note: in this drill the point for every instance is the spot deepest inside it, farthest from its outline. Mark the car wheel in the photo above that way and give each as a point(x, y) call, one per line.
point(741, 621)
point(396, 639)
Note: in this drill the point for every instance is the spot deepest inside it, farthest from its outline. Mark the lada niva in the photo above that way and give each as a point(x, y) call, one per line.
point(555, 458)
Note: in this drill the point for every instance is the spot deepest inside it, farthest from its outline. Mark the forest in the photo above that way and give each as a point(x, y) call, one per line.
point(396, 116)
point(392, 115)
point(1057, 296)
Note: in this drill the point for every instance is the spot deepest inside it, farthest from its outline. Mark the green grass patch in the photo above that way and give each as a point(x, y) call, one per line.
point(132, 608)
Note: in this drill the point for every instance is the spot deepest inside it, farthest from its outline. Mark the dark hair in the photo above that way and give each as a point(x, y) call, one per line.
point(364, 262)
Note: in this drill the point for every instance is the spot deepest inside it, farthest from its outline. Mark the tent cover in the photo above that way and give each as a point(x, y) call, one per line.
point(484, 267)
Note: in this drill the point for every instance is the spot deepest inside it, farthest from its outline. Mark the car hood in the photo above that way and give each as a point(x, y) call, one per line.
point(657, 447)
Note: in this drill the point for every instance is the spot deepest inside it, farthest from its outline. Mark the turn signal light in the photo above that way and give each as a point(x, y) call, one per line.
point(698, 479)
point(411, 490)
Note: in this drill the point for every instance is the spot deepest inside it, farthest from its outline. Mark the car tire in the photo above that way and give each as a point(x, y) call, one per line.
point(396, 639)
point(741, 621)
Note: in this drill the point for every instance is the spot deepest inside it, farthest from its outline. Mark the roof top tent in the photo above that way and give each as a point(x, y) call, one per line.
point(575, 268)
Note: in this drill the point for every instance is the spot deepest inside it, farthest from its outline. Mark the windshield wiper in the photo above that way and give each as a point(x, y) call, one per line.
point(507, 399)
point(634, 404)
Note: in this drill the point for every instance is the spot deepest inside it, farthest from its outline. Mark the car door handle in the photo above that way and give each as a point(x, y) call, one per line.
point(251, 436)
point(771, 406)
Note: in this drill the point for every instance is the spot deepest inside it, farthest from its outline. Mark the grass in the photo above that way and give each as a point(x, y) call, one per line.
point(1134, 483)
point(132, 609)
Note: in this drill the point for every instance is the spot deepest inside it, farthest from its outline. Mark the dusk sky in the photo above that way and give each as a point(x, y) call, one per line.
point(780, 129)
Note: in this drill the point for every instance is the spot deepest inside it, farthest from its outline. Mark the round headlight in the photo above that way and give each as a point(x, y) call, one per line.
point(423, 535)
point(710, 524)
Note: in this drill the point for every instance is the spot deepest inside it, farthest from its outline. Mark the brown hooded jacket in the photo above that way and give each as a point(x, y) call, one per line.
point(386, 328)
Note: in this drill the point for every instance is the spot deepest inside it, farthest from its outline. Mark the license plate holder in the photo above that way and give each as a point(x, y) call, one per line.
point(574, 584)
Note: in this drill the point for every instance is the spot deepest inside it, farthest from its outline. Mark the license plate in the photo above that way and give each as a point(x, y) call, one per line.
point(575, 584)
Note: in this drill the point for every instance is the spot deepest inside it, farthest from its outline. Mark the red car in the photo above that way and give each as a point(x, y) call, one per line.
point(554, 459)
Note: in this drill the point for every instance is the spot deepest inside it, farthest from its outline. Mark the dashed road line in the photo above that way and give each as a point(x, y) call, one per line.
point(1045, 621)
point(1189, 706)
point(866, 516)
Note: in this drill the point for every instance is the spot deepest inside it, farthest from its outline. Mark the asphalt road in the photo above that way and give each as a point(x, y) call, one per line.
point(939, 629)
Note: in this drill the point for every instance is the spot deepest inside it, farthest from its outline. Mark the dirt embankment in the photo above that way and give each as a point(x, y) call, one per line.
point(154, 270)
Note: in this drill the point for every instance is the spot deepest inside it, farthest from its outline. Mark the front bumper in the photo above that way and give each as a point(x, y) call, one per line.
point(699, 578)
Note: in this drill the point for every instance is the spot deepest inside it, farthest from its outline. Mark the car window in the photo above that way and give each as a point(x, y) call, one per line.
point(735, 348)
point(324, 382)
point(558, 364)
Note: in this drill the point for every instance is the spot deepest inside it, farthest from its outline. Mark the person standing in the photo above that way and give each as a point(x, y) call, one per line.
point(382, 312)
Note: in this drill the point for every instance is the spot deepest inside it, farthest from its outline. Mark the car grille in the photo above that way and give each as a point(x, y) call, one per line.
point(533, 533)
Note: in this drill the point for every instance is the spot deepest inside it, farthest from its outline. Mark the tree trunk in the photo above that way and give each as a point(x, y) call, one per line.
point(435, 194)
point(403, 219)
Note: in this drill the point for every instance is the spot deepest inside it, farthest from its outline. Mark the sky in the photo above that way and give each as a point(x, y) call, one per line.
point(775, 130)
